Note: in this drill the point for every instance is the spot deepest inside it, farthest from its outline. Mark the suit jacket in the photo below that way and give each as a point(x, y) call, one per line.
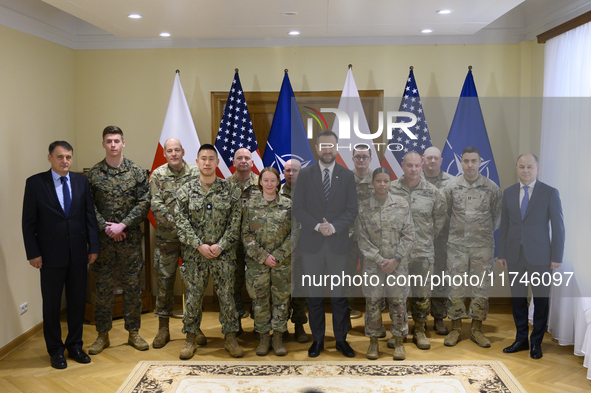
point(310, 207)
point(48, 233)
point(544, 210)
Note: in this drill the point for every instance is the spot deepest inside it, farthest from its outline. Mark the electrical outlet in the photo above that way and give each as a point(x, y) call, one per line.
point(24, 307)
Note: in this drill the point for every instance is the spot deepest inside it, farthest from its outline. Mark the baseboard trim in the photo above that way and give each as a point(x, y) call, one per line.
point(20, 340)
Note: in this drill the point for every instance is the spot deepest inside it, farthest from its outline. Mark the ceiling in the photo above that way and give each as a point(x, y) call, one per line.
point(103, 24)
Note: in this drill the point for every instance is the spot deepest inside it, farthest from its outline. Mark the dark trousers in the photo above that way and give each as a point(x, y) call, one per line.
point(540, 294)
point(53, 281)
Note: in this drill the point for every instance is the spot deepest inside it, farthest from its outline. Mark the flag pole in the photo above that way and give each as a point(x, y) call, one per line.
point(177, 72)
point(350, 66)
point(285, 70)
point(411, 68)
point(235, 69)
point(469, 67)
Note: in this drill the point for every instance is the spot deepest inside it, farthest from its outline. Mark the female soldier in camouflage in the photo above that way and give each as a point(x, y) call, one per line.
point(266, 234)
point(386, 233)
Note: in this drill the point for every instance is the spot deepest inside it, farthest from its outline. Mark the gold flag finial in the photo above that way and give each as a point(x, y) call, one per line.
point(350, 66)
point(285, 70)
point(235, 69)
point(469, 67)
point(411, 68)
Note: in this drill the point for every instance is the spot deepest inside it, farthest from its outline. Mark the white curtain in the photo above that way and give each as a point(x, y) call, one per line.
point(565, 163)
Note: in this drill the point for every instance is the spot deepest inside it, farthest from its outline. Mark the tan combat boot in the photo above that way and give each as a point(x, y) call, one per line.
point(300, 334)
point(163, 335)
point(278, 348)
point(189, 348)
point(477, 336)
point(102, 342)
point(455, 335)
point(137, 342)
point(264, 344)
point(200, 338)
point(419, 337)
point(231, 345)
point(440, 327)
point(399, 352)
point(373, 350)
point(391, 342)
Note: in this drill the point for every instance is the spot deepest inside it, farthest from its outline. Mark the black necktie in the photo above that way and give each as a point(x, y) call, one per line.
point(326, 183)
point(67, 199)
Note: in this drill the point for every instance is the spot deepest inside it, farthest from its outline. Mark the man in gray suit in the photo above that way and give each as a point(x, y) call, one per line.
point(527, 250)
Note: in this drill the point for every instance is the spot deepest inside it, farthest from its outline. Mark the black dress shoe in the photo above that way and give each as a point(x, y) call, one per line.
point(517, 346)
point(58, 361)
point(345, 349)
point(535, 352)
point(79, 356)
point(315, 349)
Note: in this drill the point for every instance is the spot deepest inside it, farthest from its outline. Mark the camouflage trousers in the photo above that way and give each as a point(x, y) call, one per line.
point(477, 262)
point(166, 262)
point(239, 278)
point(439, 293)
point(298, 305)
point(195, 272)
point(420, 287)
point(352, 264)
point(270, 289)
point(126, 257)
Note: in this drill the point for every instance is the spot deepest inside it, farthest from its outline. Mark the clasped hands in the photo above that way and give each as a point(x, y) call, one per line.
point(210, 251)
point(389, 265)
point(116, 231)
point(325, 228)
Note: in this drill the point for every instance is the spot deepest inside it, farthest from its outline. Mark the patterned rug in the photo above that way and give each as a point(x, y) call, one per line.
point(358, 377)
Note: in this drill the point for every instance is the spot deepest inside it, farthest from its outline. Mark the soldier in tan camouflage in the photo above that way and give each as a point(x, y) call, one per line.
point(164, 184)
point(207, 218)
point(386, 235)
point(121, 197)
point(429, 213)
point(474, 205)
point(433, 174)
point(266, 234)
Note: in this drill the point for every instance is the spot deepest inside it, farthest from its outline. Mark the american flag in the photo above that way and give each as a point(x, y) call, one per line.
point(236, 132)
point(411, 102)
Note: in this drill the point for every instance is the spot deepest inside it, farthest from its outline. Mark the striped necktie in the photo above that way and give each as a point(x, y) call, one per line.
point(524, 201)
point(326, 183)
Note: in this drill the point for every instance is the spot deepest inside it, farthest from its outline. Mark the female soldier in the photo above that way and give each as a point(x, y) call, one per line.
point(266, 234)
point(386, 233)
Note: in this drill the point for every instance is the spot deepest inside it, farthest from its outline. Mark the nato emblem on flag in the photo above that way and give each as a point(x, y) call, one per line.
point(287, 137)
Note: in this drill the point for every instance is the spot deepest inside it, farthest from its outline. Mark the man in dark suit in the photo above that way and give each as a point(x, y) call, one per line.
point(325, 203)
point(60, 233)
point(527, 250)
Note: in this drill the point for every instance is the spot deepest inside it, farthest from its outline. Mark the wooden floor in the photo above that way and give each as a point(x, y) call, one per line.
point(27, 369)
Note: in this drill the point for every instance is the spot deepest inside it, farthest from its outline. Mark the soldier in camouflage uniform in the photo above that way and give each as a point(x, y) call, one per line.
point(266, 234)
point(386, 235)
point(207, 217)
point(433, 174)
point(121, 196)
point(247, 182)
point(164, 184)
point(474, 204)
point(429, 213)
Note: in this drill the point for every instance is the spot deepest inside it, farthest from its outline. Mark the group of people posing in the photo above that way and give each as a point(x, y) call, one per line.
point(252, 229)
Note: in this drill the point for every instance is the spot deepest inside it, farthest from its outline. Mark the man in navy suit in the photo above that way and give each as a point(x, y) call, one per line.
point(60, 233)
point(325, 203)
point(526, 248)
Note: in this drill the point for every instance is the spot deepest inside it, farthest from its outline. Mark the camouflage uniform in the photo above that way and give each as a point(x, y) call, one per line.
point(429, 213)
point(439, 293)
point(385, 231)
point(250, 191)
point(266, 230)
point(475, 214)
point(120, 195)
point(164, 184)
point(211, 217)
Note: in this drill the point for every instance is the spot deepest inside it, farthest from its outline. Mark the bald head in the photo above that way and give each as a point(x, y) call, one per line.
point(174, 153)
point(432, 161)
point(291, 171)
point(172, 141)
point(243, 163)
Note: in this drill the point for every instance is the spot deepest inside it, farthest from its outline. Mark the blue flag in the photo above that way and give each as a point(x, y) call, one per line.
point(287, 137)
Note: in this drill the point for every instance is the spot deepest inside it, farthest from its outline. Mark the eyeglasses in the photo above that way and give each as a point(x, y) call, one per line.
point(361, 158)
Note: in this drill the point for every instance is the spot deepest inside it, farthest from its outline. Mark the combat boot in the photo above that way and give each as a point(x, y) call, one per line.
point(455, 335)
point(278, 348)
point(440, 327)
point(399, 352)
point(189, 348)
point(163, 335)
point(420, 338)
point(300, 334)
point(200, 338)
point(391, 342)
point(477, 336)
point(231, 345)
point(373, 350)
point(137, 342)
point(102, 342)
point(264, 344)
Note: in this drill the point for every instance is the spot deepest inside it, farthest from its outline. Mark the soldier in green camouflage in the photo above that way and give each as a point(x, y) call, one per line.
point(164, 184)
point(386, 235)
point(266, 235)
point(433, 174)
point(247, 182)
point(207, 218)
point(474, 206)
point(121, 197)
point(429, 213)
